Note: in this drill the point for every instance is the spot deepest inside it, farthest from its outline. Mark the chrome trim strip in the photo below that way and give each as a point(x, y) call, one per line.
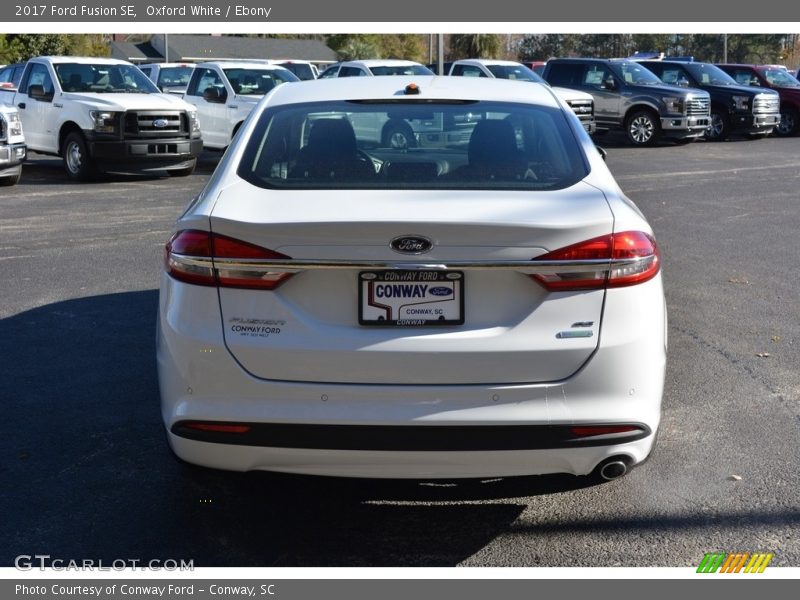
point(293, 265)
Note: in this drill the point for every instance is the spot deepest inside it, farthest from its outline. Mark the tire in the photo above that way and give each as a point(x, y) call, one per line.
point(642, 128)
point(720, 126)
point(398, 135)
point(184, 172)
point(77, 162)
point(13, 179)
point(789, 123)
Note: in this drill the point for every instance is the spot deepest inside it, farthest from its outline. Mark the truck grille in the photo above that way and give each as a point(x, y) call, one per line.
point(583, 108)
point(697, 106)
point(766, 103)
point(156, 124)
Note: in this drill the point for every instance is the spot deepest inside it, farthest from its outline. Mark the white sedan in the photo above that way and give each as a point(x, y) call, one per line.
point(488, 306)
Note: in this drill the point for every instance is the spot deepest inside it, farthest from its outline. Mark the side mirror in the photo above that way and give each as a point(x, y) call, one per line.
point(212, 94)
point(602, 152)
point(609, 84)
point(683, 83)
point(37, 93)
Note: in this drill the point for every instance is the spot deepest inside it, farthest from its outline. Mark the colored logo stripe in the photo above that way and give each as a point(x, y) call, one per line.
point(758, 563)
point(734, 563)
point(711, 562)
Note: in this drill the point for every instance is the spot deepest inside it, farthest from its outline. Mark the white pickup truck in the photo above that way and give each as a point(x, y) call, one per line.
point(225, 92)
point(102, 114)
point(12, 146)
point(581, 103)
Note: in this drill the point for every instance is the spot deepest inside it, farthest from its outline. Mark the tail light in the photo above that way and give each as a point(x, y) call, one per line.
point(585, 431)
point(205, 258)
point(615, 260)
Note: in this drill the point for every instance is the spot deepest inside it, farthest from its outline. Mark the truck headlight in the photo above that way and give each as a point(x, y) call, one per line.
point(674, 104)
point(14, 125)
point(104, 121)
point(194, 123)
point(741, 102)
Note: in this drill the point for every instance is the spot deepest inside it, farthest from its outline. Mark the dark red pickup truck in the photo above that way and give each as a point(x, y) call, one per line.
point(776, 78)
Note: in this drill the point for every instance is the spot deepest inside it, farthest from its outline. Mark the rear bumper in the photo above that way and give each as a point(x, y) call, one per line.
point(405, 464)
point(410, 431)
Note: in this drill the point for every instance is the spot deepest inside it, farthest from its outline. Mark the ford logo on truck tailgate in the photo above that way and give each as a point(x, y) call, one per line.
point(411, 244)
point(160, 123)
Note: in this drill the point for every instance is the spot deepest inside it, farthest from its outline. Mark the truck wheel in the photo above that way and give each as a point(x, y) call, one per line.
point(77, 162)
point(184, 172)
point(720, 126)
point(12, 179)
point(642, 128)
point(397, 134)
point(788, 124)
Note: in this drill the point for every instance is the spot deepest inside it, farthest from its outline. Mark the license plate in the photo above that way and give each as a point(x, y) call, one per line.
point(411, 298)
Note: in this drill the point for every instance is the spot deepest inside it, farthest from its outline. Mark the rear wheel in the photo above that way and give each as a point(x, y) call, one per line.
point(720, 126)
point(642, 128)
point(77, 162)
point(789, 123)
point(397, 134)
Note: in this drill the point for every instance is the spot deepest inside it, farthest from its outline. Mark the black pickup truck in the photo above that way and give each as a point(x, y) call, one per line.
point(627, 96)
point(734, 108)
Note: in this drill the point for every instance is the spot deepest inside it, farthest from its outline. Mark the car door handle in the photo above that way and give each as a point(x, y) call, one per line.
point(57, 105)
point(21, 105)
point(233, 106)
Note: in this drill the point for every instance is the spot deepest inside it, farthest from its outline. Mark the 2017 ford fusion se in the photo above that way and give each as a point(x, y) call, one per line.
point(483, 302)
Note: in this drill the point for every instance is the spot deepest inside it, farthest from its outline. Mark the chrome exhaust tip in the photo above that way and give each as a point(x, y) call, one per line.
point(613, 468)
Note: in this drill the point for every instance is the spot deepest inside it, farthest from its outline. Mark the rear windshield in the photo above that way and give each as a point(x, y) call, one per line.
point(401, 145)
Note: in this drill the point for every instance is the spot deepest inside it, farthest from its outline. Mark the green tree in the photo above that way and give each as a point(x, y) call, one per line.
point(545, 46)
point(475, 45)
point(88, 45)
point(356, 46)
point(405, 46)
point(28, 45)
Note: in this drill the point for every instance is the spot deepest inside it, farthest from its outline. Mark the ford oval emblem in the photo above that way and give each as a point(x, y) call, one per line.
point(411, 244)
point(440, 291)
point(160, 123)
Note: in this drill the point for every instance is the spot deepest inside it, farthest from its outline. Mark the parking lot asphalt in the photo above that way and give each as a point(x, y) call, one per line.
point(86, 472)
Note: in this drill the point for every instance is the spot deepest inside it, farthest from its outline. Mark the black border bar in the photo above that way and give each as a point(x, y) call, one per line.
point(409, 438)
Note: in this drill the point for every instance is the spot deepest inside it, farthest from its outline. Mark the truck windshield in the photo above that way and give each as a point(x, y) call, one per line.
point(302, 70)
point(780, 78)
point(171, 77)
point(103, 78)
point(516, 72)
point(634, 73)
point(257, 82)
point(445, 145)
point(709, 74)
point(400, 70)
